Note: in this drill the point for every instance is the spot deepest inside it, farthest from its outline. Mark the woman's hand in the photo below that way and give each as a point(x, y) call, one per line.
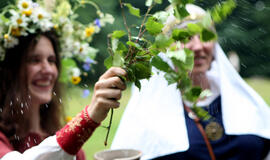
point(107, 92)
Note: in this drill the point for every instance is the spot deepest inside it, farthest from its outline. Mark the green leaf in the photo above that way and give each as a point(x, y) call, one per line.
point(66, 63)
point(114, 44)
point(207, 35)
point(138, 84)
point(118, 34)
point(163, 41)
point(194, 28)
point(207, 21)
point(160, 64)
point(118, 61)
point(133, 44)
point(201, 113)
point(158, 1)
point(132, 10)
point(185, 83)
point(178, 54)
point(180, 11)
point(130, 75)
point(193, 94)
point(205, 93)
point(108, 62)
point(172, 77)
point(180, 34)
point(141, 70)
point(148, 3)
point(189, 60)
point(122, 49)
point(4, 19)
point(221, 11)
point(154, 51)
point(188, 64)
point(152, 26)
point(161, 16)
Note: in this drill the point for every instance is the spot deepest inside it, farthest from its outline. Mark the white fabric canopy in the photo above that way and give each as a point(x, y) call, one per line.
point(154, 121)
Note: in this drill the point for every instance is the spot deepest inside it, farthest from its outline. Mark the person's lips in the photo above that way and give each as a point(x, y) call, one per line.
point(43, 84)
point(199, 60)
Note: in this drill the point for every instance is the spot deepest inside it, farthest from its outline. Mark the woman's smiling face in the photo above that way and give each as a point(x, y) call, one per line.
point(203, 54)
point(42, 71)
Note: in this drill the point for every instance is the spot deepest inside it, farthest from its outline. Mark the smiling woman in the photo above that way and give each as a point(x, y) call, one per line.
point(31, 112)
point(42, 71)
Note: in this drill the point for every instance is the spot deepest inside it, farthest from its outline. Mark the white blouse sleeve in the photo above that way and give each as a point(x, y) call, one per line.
point(48, 149)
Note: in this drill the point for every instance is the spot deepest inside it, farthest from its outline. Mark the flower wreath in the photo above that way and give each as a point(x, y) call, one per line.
point(27, 17)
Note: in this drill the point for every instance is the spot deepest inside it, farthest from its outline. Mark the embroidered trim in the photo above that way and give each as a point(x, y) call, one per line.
point(76, 132)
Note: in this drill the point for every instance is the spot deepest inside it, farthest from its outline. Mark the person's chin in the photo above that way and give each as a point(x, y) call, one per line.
point(199, 70)
point(42, 98)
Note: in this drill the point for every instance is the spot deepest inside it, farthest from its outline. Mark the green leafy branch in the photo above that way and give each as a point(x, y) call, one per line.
point(139, 53)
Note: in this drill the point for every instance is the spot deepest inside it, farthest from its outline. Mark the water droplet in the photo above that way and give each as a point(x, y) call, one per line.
point(21, 105)
point(1, 110)
point(85, 85)
point(60, 100)
point(17, 99)
point(26, 105)
point(54, 93)
point(260, 5)
point(10, 104)
point(46, 105)
point(242, 64)
point(29, 96)
point(21, 111)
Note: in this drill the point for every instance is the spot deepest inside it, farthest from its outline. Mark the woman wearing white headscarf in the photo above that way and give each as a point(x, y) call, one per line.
point(156, 122)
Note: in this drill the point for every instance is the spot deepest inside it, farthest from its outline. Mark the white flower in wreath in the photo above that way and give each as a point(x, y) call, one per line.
point(10, 42)
point(75, 72)
point(76, 47)
point(24, 5)
point(40, 15)
point(18, 20)
point(66, 47)
point(84, 48)
point(68, 28)
point(45, 25)
point(107, 18)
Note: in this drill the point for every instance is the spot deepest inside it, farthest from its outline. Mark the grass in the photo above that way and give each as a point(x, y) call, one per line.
point(75, 103)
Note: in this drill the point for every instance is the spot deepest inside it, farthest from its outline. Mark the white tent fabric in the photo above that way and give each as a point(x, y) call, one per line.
point(154, 121)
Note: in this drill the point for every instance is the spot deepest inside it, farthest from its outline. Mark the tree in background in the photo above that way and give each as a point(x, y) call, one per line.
point(246, 31)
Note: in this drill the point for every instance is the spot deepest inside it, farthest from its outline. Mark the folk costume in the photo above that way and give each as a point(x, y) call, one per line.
point(157, 121)
point(66, 144)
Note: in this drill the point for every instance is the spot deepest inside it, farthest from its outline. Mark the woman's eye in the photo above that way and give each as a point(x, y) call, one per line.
point(52, 59)
point(33, 60)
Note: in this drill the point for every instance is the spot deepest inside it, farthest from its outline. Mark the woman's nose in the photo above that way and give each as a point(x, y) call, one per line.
point(47, 67)
point(195, 44)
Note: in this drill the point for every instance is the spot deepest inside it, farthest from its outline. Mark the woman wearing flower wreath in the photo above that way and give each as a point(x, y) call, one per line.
point(30, 111)
point(163, 126)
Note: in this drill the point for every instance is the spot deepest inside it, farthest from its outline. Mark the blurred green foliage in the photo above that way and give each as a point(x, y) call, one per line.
point(246, 31)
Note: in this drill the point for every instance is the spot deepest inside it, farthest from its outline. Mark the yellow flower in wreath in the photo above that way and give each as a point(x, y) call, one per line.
point(75, 80)
point(89, 31)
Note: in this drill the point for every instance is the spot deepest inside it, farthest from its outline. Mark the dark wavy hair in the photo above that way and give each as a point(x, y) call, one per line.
point(14, 95)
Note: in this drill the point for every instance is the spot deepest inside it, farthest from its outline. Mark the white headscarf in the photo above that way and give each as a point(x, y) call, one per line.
point(154, 120)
